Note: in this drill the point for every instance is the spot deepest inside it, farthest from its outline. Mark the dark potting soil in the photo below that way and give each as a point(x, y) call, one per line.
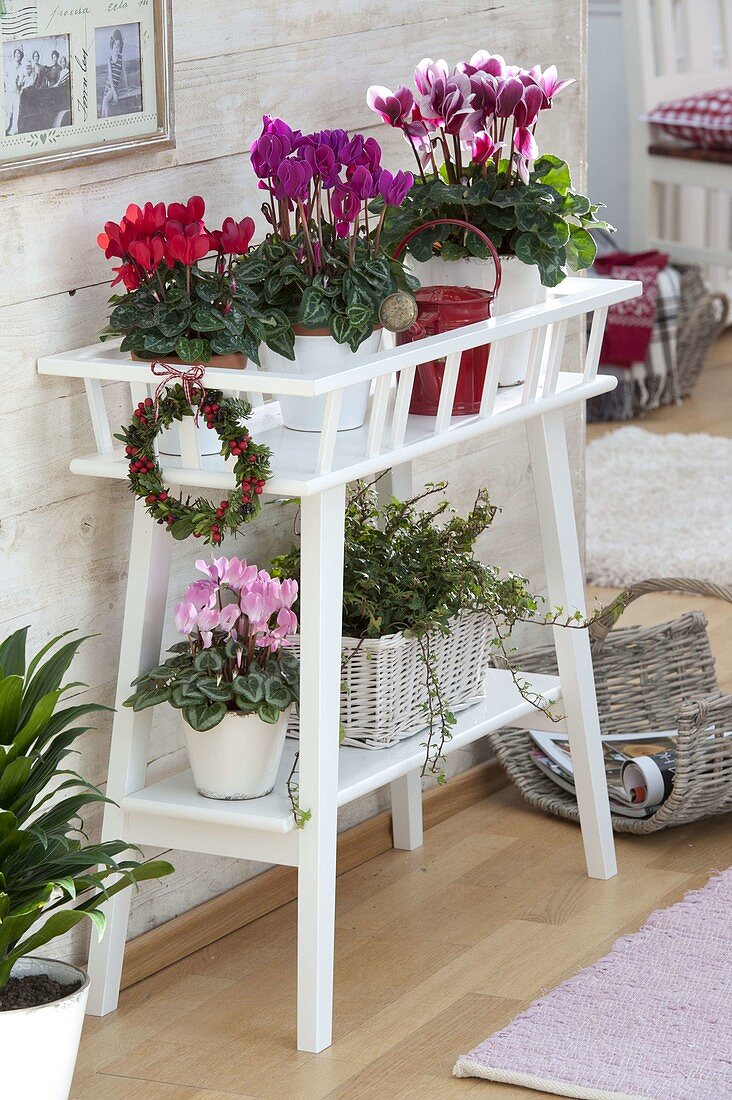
point(36, 989)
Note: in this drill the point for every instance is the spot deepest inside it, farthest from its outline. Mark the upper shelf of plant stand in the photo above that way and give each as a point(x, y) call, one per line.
point(306, 463)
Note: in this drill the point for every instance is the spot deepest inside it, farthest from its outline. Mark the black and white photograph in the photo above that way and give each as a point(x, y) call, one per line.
point(118, 68)
point(37, 83)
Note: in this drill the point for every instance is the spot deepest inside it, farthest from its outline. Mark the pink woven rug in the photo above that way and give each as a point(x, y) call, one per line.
point(650, 1021)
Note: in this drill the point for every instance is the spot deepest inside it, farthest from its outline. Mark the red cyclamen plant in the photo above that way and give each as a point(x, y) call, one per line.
point(185, 297)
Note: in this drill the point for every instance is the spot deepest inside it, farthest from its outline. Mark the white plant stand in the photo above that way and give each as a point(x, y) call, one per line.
point(316, 468)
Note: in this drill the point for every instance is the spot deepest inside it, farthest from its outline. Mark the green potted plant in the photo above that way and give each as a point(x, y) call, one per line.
point(421, 616)
point(472, 131)
point(323, 263)
point(233, 679)
point(50, 879)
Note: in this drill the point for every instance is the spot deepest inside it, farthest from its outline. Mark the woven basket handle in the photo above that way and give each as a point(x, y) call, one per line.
point(610, 614)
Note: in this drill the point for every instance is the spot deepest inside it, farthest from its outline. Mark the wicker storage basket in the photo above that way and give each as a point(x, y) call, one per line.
point(647, 679)
point(702, 317)
point(384, 690)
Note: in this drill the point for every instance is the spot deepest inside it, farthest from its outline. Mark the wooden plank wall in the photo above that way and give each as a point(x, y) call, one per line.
point(64, 539)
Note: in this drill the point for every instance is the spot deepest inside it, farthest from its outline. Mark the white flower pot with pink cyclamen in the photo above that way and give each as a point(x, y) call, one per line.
point(472, 131)
point(234, 679)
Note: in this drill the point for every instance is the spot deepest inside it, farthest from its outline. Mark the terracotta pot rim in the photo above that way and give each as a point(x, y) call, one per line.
point(216, 362)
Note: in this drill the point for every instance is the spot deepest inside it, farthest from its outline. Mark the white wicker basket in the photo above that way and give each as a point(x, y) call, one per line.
point(384, 689)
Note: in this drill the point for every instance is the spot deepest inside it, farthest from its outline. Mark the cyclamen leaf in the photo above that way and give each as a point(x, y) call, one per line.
point(192, 351)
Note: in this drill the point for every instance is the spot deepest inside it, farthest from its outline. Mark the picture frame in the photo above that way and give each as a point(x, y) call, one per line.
point(83, 80)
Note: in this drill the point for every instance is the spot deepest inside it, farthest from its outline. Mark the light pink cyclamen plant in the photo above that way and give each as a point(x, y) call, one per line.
point(238, 600)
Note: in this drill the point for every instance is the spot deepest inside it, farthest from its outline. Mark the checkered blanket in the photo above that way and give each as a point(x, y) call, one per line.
point(643, 386)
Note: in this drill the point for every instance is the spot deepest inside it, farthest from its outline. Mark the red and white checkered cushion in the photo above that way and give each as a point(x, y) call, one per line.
point(703, 120)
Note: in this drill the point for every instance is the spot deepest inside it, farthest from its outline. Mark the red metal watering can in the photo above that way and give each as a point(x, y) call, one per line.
point(442, 309)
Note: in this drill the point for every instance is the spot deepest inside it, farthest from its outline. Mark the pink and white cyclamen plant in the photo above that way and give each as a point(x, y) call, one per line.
point(238, 600)
point(480, 110)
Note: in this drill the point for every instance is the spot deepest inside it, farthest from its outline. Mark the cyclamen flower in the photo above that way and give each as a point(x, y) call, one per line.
point(148, 253)
point(292, 180)
point(484, 62)
point(448, 101)
point(509, 94)
point(234, 238)
point(322, 161)
point(346, 206)
point(392, 107)
point(393, 189)
point(483, 147)
point(127, 274)
point(364, 183)
point(427, 72)
point(550, 83)
point(150, 219)
point(188, 214)
point(186, 244)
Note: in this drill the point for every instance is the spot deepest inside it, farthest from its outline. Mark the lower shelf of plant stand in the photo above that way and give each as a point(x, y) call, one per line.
point(172, 814)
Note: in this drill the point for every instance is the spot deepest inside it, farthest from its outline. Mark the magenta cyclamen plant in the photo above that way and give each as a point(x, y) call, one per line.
point(323, 263)
point(472, 130)
point(238, 623)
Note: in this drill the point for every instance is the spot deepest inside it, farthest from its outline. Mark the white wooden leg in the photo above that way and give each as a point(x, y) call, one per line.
point(565, 583)
point(406, 792)
point(321, 605)
point(147, 589)
point(406, 811)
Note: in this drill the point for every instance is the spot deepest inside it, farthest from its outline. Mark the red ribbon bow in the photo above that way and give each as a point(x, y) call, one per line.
point(191, 379)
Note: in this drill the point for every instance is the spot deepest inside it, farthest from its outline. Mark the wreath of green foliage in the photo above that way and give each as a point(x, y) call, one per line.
point(198, 517)
point(543, 222)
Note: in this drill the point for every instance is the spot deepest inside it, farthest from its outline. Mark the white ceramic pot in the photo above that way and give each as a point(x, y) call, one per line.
point(169, 441)
point(313, 352)
point(237, 759)
point(39, 1045)
point(521, 287)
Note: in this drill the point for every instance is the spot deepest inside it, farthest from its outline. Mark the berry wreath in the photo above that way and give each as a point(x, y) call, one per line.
point(198, 517)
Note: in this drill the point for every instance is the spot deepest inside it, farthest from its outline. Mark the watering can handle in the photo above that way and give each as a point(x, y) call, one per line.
point(462, 225)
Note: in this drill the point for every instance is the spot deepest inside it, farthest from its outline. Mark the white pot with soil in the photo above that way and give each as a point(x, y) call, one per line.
point(40, 1042)
point(315, 349)
point(237, 759)
point(521, 287)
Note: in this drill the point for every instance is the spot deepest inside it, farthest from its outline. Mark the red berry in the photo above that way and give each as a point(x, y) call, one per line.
point(150, 499)
point(148, 402)
point(258, 489)
point(163, 496)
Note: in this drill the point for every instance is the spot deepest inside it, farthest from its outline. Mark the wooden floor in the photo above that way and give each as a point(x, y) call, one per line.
point(436, 949)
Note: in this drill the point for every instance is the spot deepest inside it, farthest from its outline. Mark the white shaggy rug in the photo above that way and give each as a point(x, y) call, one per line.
point(659, 506)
